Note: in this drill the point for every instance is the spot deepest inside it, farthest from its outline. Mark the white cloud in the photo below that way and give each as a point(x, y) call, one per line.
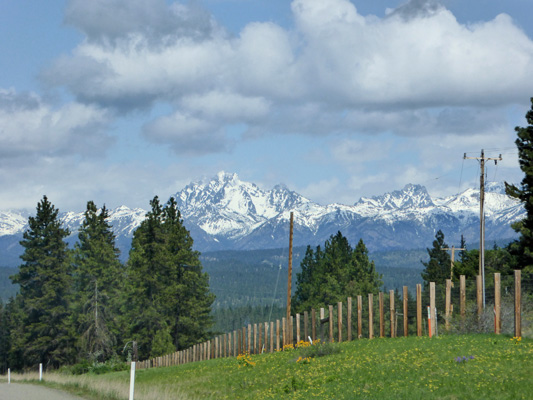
point(226, 106)
point(69, 183)
point(186, 134)
point(107, 22)
point(354, 71)
point(321, 191)
point(31, 127)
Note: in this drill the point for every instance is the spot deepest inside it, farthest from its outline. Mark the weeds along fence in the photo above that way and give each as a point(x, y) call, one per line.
point(451, 308)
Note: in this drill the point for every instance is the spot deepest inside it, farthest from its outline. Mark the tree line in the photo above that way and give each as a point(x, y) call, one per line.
point(83, 304)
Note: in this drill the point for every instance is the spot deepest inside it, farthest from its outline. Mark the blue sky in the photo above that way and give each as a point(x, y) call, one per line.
point(116, 101)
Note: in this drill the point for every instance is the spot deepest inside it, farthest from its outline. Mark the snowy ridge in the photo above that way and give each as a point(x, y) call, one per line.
point(226, 206)
point(227, 213)
point(12, 223)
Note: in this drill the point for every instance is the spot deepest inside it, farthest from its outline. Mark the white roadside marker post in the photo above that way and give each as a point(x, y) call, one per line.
point(9, 375)
point(132, 380)
point(40, 372)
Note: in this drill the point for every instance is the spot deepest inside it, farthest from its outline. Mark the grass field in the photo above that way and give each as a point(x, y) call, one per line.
point(447, 367)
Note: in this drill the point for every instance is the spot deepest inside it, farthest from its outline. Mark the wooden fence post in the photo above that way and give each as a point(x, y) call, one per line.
point(381, 315)
point(405, 310)
point(349, 319)
point(448, 303)
point(418, 309)
point(266, 337)
point(226, 343)
point(260, 347)
point(291, 330)
point(339, 320)
point(518, 303)
point(322, 316)
point(392, 314)
point(313, 324)
point(497, 303)
point(255, 339)
point(432, 307)
point(462, 296)
point(249, 339)
point(479, 291)
point(277, 335)
point(284, 328)
point(330, 308)
point(359, 317)
point(297, 328)
point(306, 325)
point(271, 336)
point(370, 316)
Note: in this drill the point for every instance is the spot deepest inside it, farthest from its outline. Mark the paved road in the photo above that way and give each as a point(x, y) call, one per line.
point(17, 391)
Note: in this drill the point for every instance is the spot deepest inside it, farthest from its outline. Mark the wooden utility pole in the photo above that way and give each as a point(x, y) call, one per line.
point(482, 160)
point(290, 271)
point(453, 259)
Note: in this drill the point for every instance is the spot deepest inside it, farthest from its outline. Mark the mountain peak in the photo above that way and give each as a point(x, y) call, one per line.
point(411, 196)
point(223, 176)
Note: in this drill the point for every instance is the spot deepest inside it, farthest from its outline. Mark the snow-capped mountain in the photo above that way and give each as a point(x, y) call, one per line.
point(227, 213)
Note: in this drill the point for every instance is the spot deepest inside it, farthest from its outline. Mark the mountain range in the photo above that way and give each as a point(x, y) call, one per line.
point(225, 213)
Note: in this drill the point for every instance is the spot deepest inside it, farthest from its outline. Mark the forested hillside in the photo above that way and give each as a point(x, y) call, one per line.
point(244, 282)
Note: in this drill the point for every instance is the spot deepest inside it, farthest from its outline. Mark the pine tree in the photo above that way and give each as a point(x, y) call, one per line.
point(97, 278)
point(4, 339)
point(522, 249)
point(330, 275)
point(14, 323)
point(437, 269)
point(166, 289)
point(45, 286)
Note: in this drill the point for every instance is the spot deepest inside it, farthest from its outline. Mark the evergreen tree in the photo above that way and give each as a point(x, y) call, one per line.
point(97, 279)
point(468, 265)
point(462, 252)
point(522, 249)
point(330, 275)
point(45, 287)
point(497, 259)
point(4, 339)
point(14, 323)
point(437, 269)
point(166, 290)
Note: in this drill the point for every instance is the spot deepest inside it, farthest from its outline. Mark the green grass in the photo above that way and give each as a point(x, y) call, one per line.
point(402, 368)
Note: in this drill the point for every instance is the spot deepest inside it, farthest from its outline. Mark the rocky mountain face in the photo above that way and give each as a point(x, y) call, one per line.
point(227, 213)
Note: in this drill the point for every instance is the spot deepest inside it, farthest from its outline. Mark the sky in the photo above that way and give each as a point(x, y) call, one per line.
point(117, 101)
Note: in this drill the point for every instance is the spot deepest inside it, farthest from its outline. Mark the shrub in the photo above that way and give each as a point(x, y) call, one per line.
point(319, 350)
point(484, 323)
